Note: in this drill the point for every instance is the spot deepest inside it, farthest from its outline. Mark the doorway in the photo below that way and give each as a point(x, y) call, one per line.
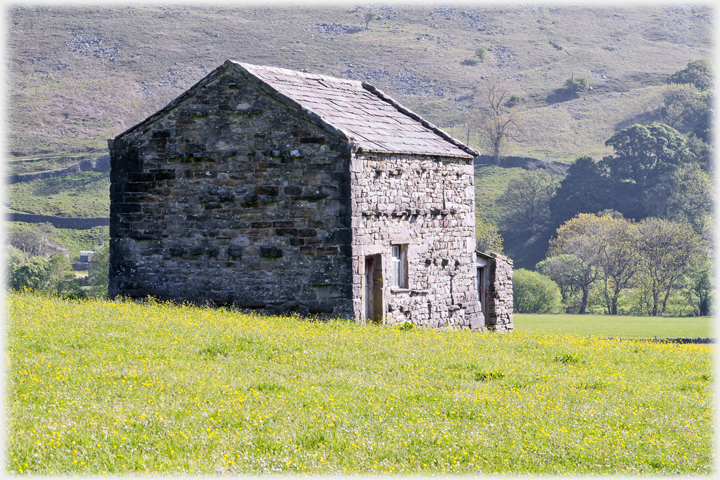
point(373, 290)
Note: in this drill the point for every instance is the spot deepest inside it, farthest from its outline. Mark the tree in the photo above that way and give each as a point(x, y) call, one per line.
point(481, 53)
point(369, 17)
point(568, 272)
point(585, 189)
point(683, 195)
point(526, 214)
point(526, 202)
point(697, 72)
point(37, 240)
point(99, 271)
point(700, 290)
point(666, 250)
point(59, 273)
point(534, 293)
point(497, 124)
point(31, 274)
point(684, 106)
point(582, 237)
point(643, 153)
point(574, 85)
point(488, 238)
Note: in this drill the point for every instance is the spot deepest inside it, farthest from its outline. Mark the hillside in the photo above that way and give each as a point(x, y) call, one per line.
point(80, 75)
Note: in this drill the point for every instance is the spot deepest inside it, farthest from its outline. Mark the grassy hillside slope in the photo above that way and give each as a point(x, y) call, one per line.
point(80, 75)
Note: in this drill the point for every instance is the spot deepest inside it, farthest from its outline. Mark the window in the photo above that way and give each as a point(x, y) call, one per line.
point(399, 266)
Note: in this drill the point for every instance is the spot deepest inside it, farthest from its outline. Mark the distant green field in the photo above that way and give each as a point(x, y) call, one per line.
point(85, 194)
point(616, 326)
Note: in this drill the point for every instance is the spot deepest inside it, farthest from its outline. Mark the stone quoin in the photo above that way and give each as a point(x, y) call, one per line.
point(284, 191)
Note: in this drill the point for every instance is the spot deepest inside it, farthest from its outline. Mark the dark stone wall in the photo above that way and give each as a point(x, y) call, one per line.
point(76, 223)
point(233, 199)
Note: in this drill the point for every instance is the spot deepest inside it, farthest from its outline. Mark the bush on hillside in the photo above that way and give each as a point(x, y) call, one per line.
point(576, 84)
point(535, 293)
point(697, 72)
point(481, 53)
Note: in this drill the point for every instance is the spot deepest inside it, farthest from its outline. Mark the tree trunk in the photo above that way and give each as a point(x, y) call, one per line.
point(664, 303)
point(584, 301)
point(655, 304)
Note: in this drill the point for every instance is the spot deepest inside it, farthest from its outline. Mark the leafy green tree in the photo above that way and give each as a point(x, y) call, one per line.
point(608, 243)
point(481, 53)
point(99, 271)
point(567, 271)
point(666, 250)
point(488, 238)
point(526, 215)
point(534, 293)
point(684, 106)
point(59, 273)
point(700, 291)
point(585, 189)
point(32, 274)
point(369, 17)
point(643, 153)
point(697, 72)
point(582, 237)
point(683, 195)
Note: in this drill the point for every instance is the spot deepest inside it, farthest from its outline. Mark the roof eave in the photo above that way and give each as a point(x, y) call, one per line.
point(438, 131)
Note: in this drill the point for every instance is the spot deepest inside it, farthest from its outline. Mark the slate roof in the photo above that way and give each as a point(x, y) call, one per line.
point(368, 117)
point(356, 110)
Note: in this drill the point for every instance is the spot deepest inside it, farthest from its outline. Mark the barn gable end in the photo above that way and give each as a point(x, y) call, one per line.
point(231, 196)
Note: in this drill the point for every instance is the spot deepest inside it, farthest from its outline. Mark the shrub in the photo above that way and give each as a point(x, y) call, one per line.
point(697, 72)
point(481, 53)
point(576, 84)
point(515, 100)
point(535, 293)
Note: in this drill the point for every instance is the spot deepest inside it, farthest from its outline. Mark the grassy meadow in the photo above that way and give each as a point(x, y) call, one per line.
point(615, 326)
point(99, 387)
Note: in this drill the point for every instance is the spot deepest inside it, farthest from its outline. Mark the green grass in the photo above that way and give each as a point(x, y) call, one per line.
point(120, 388)
point(85, 194)
point(490, 184)
point(615, 326)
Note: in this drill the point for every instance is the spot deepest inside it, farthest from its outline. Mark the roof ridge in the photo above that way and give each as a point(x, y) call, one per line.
point(296, 73)
point(406, 111)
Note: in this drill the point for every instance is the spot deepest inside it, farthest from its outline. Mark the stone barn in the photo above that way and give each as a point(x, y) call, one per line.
point(285, 191)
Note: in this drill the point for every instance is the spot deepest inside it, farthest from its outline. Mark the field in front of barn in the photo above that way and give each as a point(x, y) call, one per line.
point(97, 387)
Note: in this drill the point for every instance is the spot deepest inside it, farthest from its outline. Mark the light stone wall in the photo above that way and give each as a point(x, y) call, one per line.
point(500, 303)
point(428, 204)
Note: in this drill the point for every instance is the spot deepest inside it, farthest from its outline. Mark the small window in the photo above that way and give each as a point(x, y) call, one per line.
point(399, 266)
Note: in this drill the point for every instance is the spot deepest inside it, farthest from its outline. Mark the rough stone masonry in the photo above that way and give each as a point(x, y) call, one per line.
point(292, 192)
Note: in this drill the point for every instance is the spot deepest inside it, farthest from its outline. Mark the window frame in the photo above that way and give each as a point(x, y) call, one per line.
point(399, 266)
